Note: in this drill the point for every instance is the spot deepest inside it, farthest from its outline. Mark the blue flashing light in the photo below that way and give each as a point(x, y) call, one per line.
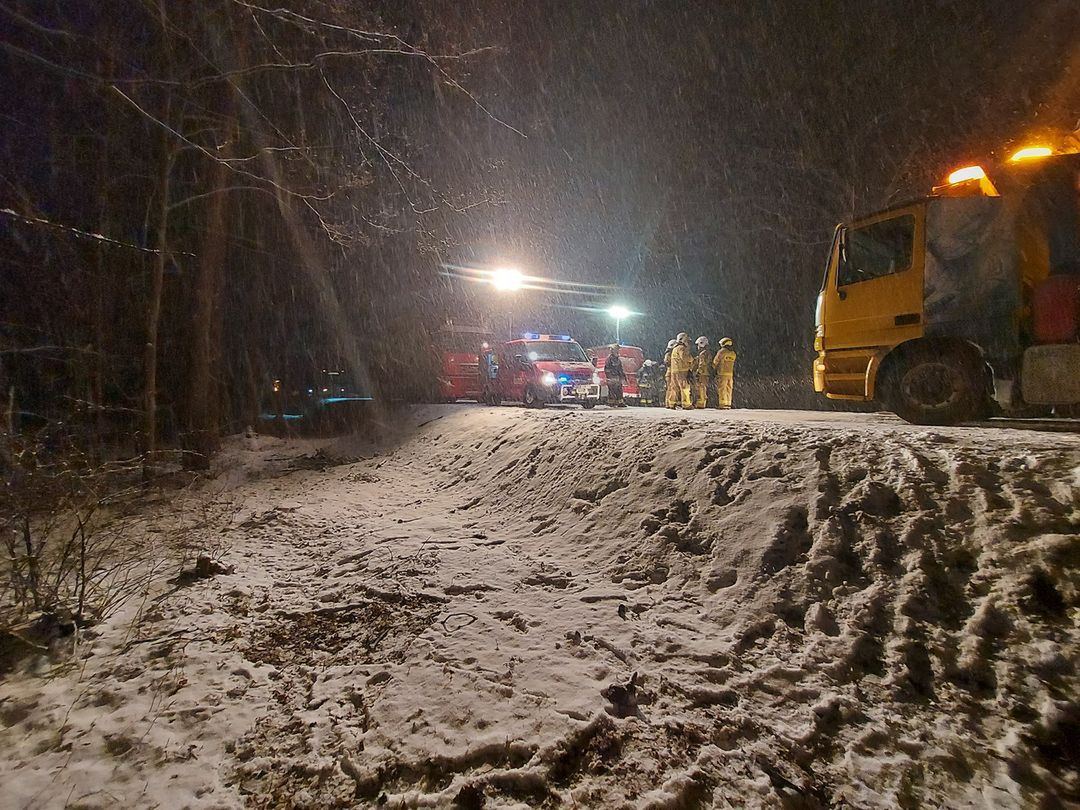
point(538, 336)
point(331, 400)
point(564, 379)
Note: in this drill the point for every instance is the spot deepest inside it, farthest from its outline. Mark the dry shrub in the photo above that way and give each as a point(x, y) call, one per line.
point(68, 562)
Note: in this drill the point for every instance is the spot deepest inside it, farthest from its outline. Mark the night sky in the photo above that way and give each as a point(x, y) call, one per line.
point(697, 155)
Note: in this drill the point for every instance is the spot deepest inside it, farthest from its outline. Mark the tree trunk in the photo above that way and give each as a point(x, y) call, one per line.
point(157, 284)
point(202, 411)
point(153, 304)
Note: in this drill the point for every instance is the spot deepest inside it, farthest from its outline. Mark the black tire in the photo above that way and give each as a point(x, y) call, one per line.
point(936, 386)
point(588, 404)
point(532, 400)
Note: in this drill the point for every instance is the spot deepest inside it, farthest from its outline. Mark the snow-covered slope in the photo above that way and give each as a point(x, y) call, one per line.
point(507, 607)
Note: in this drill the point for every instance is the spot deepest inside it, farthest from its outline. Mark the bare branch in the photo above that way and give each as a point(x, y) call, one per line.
point(227, 162)
point(405, 50)
point(79, 232)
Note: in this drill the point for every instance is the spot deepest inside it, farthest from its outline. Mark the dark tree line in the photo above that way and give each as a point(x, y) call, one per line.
point(205, 197)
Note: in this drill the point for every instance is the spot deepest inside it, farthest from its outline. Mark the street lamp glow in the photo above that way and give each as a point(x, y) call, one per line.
point(507, 279)
point(618, 312)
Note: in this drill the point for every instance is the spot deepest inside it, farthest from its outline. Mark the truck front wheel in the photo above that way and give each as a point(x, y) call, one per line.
point(531, 399)
point(936, 387)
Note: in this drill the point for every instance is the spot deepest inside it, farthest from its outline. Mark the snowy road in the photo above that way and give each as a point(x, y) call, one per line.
point(505, 607)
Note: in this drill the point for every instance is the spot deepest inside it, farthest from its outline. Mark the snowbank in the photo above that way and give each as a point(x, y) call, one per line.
point(641, 608)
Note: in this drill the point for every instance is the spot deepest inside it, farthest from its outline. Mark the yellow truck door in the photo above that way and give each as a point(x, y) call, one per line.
point(873, 296)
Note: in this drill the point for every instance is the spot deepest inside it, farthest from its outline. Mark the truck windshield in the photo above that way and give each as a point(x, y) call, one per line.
point(877, 250)
point(555, 351)
point(461, 342)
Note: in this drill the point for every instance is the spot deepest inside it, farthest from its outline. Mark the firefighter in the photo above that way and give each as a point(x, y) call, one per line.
point(682, 363)
point(702, 372)
point(616, 376)
point(488, 370)
point(724, 365)
point(647, 383)
point(668, 387)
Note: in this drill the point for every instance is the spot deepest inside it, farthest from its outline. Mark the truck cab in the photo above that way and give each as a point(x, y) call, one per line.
point(943, 307)
point(539, 369)
point(459, 347)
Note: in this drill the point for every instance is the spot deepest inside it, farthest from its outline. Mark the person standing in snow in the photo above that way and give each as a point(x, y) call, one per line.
point(702, 372)
point(488, 369)
point(724, 363)
point(682, 362)
point(647, 383)
point(668, 388)
point(616, 376)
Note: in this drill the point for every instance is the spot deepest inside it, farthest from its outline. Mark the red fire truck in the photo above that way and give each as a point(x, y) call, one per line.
point(460, 347)
point(537, 369)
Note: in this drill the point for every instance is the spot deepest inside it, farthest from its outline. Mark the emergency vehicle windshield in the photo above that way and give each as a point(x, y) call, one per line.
point(555, 351)
point(460, 342)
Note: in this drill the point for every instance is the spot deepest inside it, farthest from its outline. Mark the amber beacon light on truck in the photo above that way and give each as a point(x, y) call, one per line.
point(964, 302)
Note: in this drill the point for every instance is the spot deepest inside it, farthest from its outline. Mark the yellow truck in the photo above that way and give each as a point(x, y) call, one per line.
point(963, 303)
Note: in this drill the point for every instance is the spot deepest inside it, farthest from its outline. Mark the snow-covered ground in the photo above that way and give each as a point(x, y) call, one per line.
point(500, 607)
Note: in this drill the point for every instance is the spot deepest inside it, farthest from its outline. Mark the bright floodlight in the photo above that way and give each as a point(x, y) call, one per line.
point(507, 279)
point(618, 312)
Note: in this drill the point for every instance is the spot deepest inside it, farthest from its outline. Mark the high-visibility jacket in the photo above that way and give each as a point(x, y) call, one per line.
point(703, 365)
point(681, 359)
point(724, 363)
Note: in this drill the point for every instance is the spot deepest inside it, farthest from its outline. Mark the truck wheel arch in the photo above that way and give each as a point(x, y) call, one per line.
point(881, 364)
point(970, 380)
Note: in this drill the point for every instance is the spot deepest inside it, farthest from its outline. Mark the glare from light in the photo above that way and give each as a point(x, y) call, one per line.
point(618, 312)
point(548, 379)
point(1029, 152)
point(507, 279)
point(967, 173)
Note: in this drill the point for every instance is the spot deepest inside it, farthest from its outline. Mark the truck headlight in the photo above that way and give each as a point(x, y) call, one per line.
point(596, 378)
point(548, 379)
